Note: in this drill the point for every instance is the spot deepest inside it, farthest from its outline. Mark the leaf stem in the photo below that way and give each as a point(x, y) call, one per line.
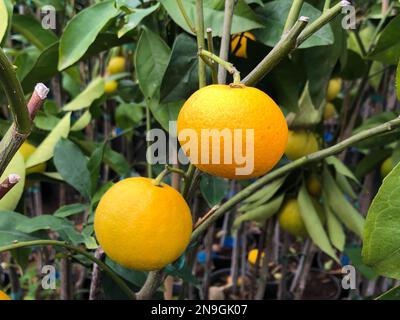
point(248, 191)
point(210, 47)
point(121, 283)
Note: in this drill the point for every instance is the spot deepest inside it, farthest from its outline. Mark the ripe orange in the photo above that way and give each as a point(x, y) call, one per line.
point(110, 86)
point(4, 296)
point(333, 90)
point(300, 143)
point(116, 65)
point(252, 256)
point(231, 110)
point(143, 226)
point(239, 44)
point(330, 111)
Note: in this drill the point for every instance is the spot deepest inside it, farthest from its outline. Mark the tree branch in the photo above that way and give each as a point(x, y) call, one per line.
point(248, 191)
point(293, 15)
point(226, 38)
point(8, 184)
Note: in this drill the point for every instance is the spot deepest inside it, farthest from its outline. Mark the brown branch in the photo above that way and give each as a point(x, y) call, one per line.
point(8, 184)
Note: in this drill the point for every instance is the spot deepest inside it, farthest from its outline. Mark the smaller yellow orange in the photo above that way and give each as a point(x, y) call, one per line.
point(4, 296)
point(110, 86)
point(239, 44)
point(334, 88)
point(116, 65)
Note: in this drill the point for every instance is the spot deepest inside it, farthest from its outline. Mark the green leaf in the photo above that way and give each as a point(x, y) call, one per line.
point(151, 60)
point(17, 165)
point(42, 69)
point(354, 254)
point(398, 81)
point(8, 228)
point(94, 165)
point(3, 19)
point(341, 168)
point(244, 18)
point(261, 213)
point(65, 228)
point(274, 14)
point(33, 31)
point(82, 122)
point(137, 278)
point(72, 166)
point(346, 213)
point(335, 229)
point(381, 247)
point(313, 223)
point(392, 294)
point(213, 189)
point(164, 113)
point(345, 185)
point(128, 115)
point(45, 150)
point(133, 19)
point(181, 77)
point(45, 122)
point(387, 49)
point(263, 195)
point(93, 91)
point(70, 210)
point(82, 30)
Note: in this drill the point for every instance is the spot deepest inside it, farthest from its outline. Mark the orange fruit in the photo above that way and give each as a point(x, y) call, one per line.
point(239, 44)
point(300, 143)
point(330, 111)
point(386, 167)
point(290, 219)
point(334, 88)
point(240, 120)
point(110, 86)
point(116, 65)
point(4, 296)
point(143, 226)
point(314, 185)
point(27, 150)
point(252, 256)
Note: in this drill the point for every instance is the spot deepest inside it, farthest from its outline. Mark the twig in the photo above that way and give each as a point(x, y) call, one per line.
point(14, 138)
point(325, 18)
point(281, 50)
point(200, 40)
point(8, 184)
point(226, 65)
point(203, 218)
point(185, 16)
point(95, 284)
point(121, 283)
point(293, 15)
point(210, 47)
point(246, 192)
point(153, 282)
point(15, 95)
point(226, 37)
point(327, 5)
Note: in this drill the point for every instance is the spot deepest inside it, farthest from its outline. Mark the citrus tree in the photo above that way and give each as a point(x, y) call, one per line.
point(99, 95)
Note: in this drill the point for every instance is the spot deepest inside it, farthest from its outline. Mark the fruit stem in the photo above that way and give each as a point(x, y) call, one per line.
point(314, 157)
point(293, 15)
point(167, 170)
point(227, 65)
point(185, 16)
point(121, 283)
